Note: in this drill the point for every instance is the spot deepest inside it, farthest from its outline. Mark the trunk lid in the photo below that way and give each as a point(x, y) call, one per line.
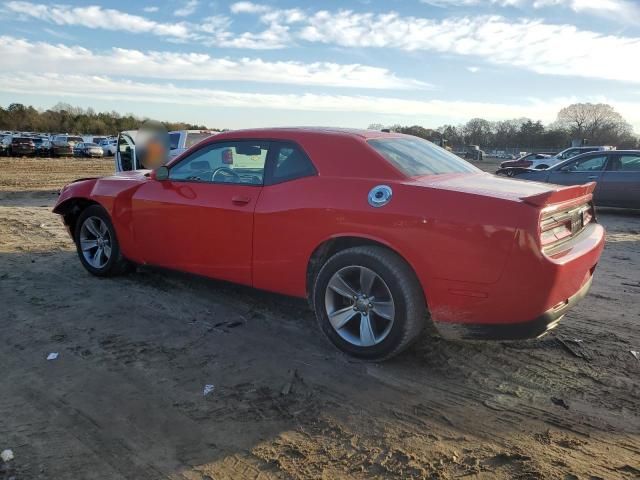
point(487, 185)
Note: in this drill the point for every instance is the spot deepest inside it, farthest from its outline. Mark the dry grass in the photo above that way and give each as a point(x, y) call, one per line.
point(49, 173)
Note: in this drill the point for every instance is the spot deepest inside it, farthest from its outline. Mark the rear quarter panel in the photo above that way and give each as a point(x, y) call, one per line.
point(442, 234)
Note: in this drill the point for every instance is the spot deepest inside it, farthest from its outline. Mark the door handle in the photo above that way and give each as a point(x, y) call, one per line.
point(593, 177)
point(240, 200)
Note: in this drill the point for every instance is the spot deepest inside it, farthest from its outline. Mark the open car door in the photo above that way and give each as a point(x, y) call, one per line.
point(125, 156)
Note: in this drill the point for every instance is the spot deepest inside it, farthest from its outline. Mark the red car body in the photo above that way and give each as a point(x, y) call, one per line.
point(475, 241)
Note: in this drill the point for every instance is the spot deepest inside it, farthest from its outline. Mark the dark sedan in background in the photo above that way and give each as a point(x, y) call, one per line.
point(21, 146)
point(616, 172)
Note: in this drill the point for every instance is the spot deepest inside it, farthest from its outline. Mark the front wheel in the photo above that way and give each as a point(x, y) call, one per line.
point(97, 243)
point(369, 303)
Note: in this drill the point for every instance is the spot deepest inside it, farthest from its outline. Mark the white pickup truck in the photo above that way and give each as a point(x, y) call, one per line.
point(179, 141)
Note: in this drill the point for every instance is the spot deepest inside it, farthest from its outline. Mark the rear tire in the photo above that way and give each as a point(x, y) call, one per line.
point(369, 302)
point(97, 244)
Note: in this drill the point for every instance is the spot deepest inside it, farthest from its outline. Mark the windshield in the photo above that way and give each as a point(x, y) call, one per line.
point(415, 156)
point(193, 138)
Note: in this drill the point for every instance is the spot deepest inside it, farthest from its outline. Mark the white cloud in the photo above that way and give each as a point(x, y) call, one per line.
point(150, 9)
point(553, 49)
point(213, 31)
point(111, 89)
point(105, 88)
point(473, 69)
point(621, 10)
point(248, 7)
point(187, 9)
point(40, 57)
point(97, 17)
point(618, 10)
point(545, 48)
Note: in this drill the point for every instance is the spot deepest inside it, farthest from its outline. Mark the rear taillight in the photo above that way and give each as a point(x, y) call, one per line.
point(555, 234)
point(557, 225)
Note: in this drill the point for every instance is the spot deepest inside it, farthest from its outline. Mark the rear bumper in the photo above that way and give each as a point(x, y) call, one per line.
point(533, 293)
point(515, 331)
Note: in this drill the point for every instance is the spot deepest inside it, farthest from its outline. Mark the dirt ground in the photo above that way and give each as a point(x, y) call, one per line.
point(125, 398)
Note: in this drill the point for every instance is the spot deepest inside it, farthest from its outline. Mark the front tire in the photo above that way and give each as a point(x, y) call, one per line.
point(97, 243)
point(369, 302)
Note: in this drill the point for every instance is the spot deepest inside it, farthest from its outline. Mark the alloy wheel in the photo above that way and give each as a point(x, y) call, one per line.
point(359, 306)
point(95, 242)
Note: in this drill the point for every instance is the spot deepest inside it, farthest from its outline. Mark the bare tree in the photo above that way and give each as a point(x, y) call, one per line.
point(597, 122)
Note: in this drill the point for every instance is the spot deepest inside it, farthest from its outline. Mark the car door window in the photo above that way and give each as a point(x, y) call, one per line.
point(589, 164)
point(240, 162)
point(289, 162)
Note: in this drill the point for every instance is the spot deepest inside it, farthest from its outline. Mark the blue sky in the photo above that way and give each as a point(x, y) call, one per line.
point(345, 63)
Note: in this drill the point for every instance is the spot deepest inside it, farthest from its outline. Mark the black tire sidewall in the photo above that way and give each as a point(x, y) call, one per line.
point(110, 267)
point(395, 337)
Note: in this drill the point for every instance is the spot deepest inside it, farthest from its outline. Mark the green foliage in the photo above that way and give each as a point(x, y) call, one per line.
point(65, 118)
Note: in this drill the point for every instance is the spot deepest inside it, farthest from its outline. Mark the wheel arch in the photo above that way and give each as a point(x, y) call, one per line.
point(71, 209)
point(337, 243)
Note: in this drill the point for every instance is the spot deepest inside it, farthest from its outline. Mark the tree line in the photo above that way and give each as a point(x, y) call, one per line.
point(593, 124)
point(65, 118)
point(597, 124)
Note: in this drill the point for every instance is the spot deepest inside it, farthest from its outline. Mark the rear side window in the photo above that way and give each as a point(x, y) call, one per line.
point(290, 162)
point(629, 163)
point(415, 156)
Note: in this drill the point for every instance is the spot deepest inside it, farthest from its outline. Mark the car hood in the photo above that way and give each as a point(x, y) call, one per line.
point(140, 175)
point(484, 184)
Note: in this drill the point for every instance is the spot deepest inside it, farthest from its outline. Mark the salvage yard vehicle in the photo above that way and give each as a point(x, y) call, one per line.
point(379, 231)
point(84, 149)
point(62, 145)
point(42, 147)
point(21, 146)
point(526, 160)
point(181, 140)
point(564, 155)
point(109, 146)
point(617, 173)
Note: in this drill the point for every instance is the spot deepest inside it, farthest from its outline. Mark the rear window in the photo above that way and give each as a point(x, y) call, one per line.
point(193, 138)
point(415, 156)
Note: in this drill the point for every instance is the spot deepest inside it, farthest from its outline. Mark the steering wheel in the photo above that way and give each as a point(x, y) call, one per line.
point(225, 170)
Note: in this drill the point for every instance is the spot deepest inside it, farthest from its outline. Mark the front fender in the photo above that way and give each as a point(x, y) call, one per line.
point(78, 189)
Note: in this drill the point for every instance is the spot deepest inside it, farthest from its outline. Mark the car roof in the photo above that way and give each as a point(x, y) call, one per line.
point(306, 131)
point(605, 152)
point(340, 152)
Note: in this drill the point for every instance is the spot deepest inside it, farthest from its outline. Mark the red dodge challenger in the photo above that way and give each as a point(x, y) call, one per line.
point(380, 231)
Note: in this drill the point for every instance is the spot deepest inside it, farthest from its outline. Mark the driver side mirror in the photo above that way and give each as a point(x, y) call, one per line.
point(161, 173)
